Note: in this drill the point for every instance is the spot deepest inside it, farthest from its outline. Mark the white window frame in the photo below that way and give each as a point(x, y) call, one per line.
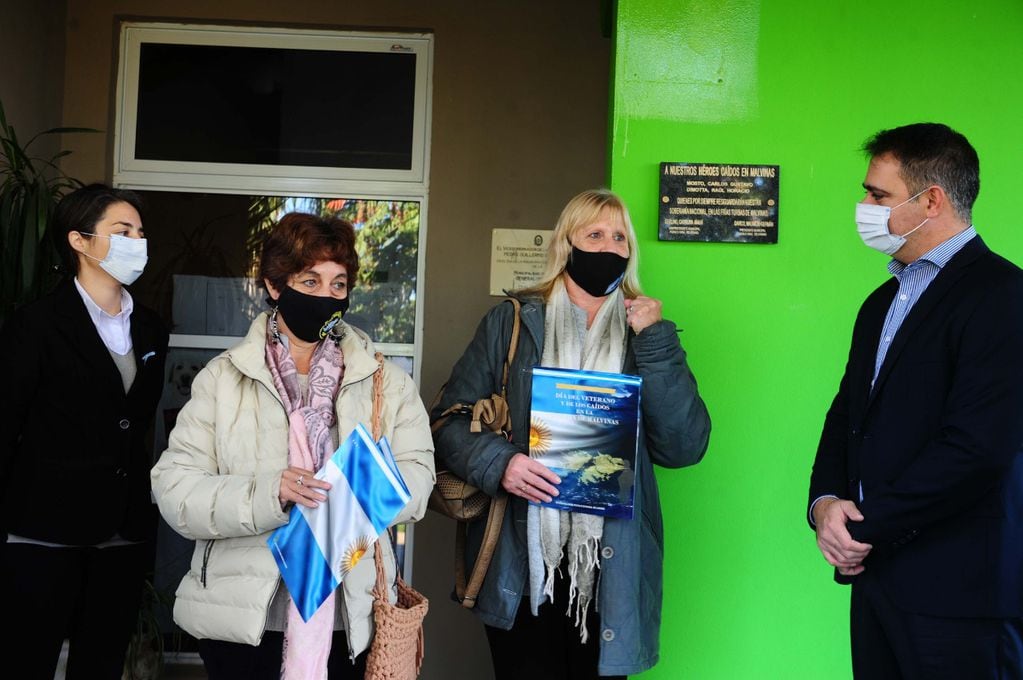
point(413, 349)
point(282, 180)
point(258, 179)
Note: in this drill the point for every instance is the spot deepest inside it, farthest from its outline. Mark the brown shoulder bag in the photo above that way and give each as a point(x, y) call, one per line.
point(455, 498)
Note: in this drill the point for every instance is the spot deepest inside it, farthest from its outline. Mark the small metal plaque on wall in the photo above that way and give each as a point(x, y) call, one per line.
point(718, 202)
point(517, 258)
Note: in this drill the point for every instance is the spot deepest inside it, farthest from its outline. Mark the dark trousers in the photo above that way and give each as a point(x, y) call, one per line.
point(234, 661)
point(888, 642)
point(89, 595)
point(547, 647)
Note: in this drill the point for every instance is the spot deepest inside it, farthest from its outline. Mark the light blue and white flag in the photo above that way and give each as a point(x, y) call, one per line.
point(319, 546)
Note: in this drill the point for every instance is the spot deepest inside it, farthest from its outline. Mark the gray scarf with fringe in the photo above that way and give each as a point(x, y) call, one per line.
point(568, 343)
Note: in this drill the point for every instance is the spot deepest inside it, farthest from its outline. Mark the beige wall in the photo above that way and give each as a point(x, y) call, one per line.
point(32, 69)
point(519, 126)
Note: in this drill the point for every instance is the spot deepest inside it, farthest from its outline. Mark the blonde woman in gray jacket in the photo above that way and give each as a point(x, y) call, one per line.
point(263, 417)
point(570, 596)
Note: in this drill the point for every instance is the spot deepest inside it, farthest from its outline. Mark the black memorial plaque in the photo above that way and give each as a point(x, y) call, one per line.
point(718, 202)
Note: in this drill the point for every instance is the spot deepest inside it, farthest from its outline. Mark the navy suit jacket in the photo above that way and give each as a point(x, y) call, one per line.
point(75, 453)
point(935, 444)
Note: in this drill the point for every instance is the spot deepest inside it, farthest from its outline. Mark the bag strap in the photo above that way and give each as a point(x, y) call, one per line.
point(466, 409)
point(378, 396)
point(380, 589)
point(468, 592)
point(513, 345)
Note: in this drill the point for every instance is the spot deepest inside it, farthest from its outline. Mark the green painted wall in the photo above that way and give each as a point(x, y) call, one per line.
point(800, 85)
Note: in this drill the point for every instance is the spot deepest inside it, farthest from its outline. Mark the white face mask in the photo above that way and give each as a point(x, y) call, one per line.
point(126, 258)
point(872, 224)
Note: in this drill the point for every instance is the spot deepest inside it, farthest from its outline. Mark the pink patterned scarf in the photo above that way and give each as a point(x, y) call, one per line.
point(310, 417)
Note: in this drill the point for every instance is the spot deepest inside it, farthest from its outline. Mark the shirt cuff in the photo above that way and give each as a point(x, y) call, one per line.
point(814, 505)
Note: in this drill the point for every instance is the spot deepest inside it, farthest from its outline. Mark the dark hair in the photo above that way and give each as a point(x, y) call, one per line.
point(81, 211)
point(299, 240)
point(932, 153)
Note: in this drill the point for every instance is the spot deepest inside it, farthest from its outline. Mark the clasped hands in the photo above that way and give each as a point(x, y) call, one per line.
point(831, 515)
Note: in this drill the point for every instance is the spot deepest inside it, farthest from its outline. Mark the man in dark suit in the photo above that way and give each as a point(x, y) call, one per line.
point(916, 493)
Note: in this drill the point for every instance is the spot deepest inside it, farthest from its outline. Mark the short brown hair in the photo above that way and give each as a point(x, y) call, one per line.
point(299, 240)
point(932, 153)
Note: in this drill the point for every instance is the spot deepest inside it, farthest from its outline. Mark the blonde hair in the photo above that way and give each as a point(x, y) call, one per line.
point(583, 210)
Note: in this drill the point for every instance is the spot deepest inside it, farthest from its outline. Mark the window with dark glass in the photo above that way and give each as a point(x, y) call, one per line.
point(271, 106)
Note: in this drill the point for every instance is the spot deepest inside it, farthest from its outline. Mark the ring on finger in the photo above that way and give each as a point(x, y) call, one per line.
point(299, 480)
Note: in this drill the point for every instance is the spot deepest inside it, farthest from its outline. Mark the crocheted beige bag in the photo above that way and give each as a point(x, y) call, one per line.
point(397, 649)
point(396, 652)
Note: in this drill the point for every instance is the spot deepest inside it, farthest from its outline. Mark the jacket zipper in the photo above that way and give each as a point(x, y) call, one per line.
point(206, 560)
point(339, 593)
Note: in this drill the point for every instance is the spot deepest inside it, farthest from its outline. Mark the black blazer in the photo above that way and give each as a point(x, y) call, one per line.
point(74, 450)
point(936, 442)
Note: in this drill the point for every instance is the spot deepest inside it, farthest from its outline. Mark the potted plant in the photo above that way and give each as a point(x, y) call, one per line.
point(30, 187)
point(144, 657)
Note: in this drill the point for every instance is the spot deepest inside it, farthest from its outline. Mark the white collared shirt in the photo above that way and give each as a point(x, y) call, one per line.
point(114, 330)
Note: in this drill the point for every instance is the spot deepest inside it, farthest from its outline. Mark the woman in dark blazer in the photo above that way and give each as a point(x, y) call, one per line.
point(83, 370)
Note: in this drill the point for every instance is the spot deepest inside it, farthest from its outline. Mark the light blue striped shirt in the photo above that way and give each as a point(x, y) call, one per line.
point(913, 281)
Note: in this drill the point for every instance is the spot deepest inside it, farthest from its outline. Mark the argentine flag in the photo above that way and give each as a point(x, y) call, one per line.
point(319, 546)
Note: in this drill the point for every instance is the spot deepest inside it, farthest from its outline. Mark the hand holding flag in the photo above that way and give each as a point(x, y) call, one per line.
point(319, 546)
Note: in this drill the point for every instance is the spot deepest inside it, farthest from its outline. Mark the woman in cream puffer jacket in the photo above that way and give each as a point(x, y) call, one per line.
point(264, 417)
point(218, 483)
point(219, 479)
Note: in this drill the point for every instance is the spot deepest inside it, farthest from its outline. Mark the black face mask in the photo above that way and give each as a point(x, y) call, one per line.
point(596, 273)
point(310, 317)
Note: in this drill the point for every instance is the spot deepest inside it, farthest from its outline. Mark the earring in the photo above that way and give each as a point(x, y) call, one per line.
point(275, 331)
